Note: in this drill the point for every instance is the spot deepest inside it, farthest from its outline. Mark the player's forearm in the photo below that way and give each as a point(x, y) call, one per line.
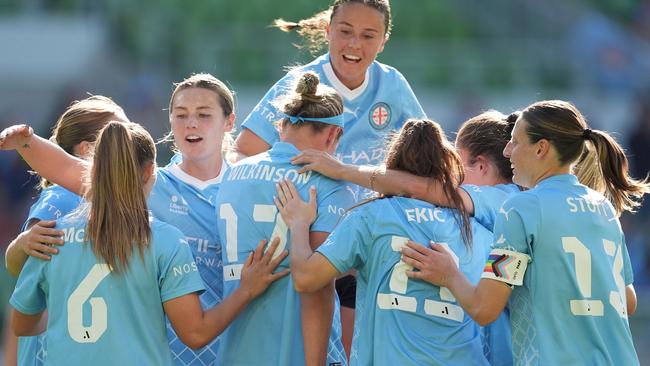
point(53, 163)
point(472, 299)
point(15, 257)
point(305, 278)
point(317, 309)
point(392, 182)
point(215, 320)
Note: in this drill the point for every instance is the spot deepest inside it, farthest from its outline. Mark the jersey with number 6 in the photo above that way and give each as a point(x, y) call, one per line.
point(401, 321)
point(102, 318)
point(269, 331)
point(571, 309)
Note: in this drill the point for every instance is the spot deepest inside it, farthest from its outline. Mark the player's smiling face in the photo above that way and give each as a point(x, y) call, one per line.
point(522, 154)
point(356, 35)
point(198, 124)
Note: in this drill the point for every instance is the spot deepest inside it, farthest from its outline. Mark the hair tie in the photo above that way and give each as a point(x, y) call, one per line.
point(334, 120)
point(586, 133)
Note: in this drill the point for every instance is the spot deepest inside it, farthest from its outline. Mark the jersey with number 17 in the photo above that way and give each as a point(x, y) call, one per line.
point(100, 317)
point(271, 324)
point(401, 321)
point(571, 309)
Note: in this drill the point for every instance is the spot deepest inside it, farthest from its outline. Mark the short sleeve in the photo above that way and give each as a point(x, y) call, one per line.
point(332, 207)
point(516, 224)
point(178, 273)
point(261, 120)
point(346, 247)
point(410, 105)
point(29, 296)
point(487, 200)
point(53, 203)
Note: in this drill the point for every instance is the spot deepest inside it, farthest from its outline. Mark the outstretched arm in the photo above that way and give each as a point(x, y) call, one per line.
point(380, 179)
point(483, 302)
point(196, 327)
point(48, 159)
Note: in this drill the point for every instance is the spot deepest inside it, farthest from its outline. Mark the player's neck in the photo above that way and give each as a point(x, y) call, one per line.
point(203, 169)
point(302, 142)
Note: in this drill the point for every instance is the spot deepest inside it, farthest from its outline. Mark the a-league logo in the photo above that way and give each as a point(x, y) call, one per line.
point(379, 116)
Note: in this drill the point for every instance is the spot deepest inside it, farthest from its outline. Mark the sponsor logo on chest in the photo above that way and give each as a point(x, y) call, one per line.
point(178, 205)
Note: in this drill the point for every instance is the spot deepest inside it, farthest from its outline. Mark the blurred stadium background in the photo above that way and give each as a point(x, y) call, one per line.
point(461, 57)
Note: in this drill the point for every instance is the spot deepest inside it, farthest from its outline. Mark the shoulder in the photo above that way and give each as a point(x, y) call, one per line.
point(164, 231)
point(528, 198)
point(387, 72)
point(56, 192)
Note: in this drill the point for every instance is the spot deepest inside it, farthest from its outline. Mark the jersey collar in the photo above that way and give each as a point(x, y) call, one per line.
point(349, 94)
point(561, 178)
point(177, 172)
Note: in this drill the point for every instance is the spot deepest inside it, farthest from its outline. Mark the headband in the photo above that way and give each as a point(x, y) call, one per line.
point(335, 120)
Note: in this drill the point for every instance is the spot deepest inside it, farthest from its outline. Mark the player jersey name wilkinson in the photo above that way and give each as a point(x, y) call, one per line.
point(268, 173)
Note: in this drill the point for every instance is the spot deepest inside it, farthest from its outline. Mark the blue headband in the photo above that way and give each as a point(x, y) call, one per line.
point(336, 120)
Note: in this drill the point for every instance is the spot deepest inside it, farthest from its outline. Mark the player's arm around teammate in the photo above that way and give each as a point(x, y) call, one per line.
point(195, 326)
point(544, 228)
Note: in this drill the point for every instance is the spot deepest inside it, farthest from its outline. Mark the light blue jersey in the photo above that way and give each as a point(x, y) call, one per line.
point(497, 335)
point(379, 106)
point(53, 203)
point(269, 330)
point(571, 309)
point(399, 321)
point(102, 318)
point(188, 204)
point(488, 199)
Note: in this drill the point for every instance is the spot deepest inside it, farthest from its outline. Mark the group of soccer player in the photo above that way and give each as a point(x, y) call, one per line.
point(503, 249)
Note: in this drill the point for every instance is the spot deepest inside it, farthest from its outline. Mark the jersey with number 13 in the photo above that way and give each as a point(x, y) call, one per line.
point(571, 309)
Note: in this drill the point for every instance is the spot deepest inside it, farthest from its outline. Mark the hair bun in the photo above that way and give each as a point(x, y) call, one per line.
point(308, 84)
point(512, 118)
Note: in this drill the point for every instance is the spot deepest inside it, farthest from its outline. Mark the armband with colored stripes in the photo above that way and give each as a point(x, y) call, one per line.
point(506, 266)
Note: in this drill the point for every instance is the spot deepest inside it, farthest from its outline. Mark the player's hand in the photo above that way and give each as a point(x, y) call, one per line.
point(319, 161)
point(15, 136)
point(295, 212)
point(257, 273)
point(434, 265)
point(39, 240)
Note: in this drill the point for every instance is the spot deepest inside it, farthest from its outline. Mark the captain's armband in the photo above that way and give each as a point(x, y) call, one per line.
point(506, 266)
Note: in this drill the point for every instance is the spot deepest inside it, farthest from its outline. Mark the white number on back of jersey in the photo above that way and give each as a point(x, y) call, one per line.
point(398, 284)
point(261, 213)
point(582, 257)
point(98, 309)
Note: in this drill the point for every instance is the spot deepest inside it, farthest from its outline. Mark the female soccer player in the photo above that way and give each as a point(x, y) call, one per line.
point(398, 322)
point(283, 327)
point(75, 131)
point(135, 271)
point(201, 114)
point(376, 97)
point(560, 252)
point(487, 184)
